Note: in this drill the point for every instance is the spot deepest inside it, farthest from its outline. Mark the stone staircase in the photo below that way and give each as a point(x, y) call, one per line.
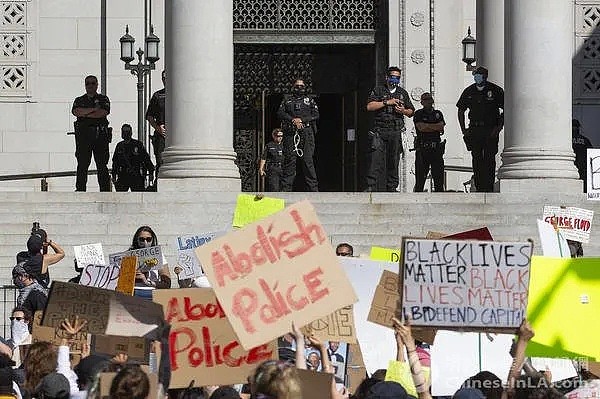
point(362, 219)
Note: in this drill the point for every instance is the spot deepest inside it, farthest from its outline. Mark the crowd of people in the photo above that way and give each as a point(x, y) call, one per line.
point(31, 368)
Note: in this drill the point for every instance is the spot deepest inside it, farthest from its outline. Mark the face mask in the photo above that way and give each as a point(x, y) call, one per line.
point(299, 89)
point(394, 81)
point(479, 79)
point(19, 331)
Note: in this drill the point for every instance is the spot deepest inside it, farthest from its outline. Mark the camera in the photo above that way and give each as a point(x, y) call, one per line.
point(36, 230)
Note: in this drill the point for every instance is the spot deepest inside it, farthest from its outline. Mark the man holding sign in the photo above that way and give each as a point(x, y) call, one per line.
point(275, 271)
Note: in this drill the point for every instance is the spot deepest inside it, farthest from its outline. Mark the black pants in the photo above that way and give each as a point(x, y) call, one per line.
point(385, 157)
point(484, 148)
point(426, 158)
point(273, 178)
point(90, 141)
point(158, 145)
point(307, 146)
point(126, 181)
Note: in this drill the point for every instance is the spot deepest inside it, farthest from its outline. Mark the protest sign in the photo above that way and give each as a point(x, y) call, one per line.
point(126, 281)
point(385, 254)
point(136, 348)
point(355, 369)
point(338, 326)
point(481, 234)
point(563, 307)
point(553, 243)
point(150, 258)
point(106, 312)
point(467, 285)
point(56, 334)
point(101, 276)
point(275, 271)
point(561, 368)
point(593, 174)
point(314, 384)
point(251, 208)
point(376, 341)
point(574, 223)
point(387, 304)
point(89, 254)
point(186, 258)
point(203, 346)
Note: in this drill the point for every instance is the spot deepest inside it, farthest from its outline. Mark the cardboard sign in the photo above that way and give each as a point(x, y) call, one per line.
point(574, 223)
point(314, 384)
point(593, 174)
point(56, 334)
point(387, 304)
point(251, 208)
point(106, 380)
point(186, 258)
point(481, 234)
point(467, 285)
point(150, 258)
point(355, 369)
point(203, 346)
point(107, 312)
point(126, 281)
point(136, 348)
point(385, 254)
point(553, 242)
point(278, 270)
point(89, 254)
point(564, 304)
point(338, 326)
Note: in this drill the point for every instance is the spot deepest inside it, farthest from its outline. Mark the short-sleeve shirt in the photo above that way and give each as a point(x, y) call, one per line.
point(273, 152)
point(86, 101)
point(386, 117)
point(156, 108)
point(428, 116)
point(483, 105)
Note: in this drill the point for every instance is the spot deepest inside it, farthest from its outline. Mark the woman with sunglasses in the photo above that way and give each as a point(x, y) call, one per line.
point(145, 282)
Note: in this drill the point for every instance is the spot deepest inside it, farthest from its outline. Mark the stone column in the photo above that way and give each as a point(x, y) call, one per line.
point(199, 119)
point(538, 50)
point(490, 38)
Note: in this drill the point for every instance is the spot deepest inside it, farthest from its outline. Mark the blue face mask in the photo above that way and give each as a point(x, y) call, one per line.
point(479, 79)
point(394, 81)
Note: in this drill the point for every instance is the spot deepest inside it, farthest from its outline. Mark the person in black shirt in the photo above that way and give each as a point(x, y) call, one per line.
point(92, 134)
point(580, 146)
point(38, 258)
point(429, 124)
point(32, 296)
point(131, 162)
point(484, 100)
point(271, 160)
point(299, 114)
point(390, 104)
point(155, 115)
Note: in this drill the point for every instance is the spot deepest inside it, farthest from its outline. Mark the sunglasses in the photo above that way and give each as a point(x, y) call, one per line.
point(11, 318)
point(142, 239)
point(343, 254)
point(279, 135)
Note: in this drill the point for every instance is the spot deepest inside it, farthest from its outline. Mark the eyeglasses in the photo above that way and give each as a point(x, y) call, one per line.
point(11, 318)
point(344, 254)
point(147, 239)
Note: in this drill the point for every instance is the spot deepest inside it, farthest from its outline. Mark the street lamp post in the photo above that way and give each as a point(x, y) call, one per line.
point(468, 50)
point(141, 69)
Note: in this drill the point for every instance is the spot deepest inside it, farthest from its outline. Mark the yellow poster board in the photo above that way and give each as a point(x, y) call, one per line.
point(385, 254)
point(563, 309)
point(251, 208)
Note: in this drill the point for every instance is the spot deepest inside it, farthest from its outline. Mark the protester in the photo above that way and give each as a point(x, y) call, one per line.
point(344, 249)
point(53, 386)
point(20, 328)
point(32, 296)
point(275, 379)
point(130, 383)
point(37, 257)
point(145, 282)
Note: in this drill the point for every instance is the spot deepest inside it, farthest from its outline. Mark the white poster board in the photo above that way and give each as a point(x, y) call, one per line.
point(150, 258)
point(574, 223)
point(89, 254)
point(186, 257)
point(593, 174)
point(377, 343)
point(553, 243)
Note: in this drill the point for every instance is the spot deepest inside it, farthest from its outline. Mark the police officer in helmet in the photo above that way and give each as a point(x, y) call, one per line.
point(271, 161)
point(485, 102)
point(429, 124)
point(299, 114)
point(131, 163)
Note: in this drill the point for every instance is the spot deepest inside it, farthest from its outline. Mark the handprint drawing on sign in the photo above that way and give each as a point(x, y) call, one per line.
point(186, 262)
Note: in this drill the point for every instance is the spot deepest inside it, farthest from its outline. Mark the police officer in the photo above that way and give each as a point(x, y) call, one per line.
point(92, 134)
point(131, 162)
point(298, 114)
point(484, 100)
point(580, 146)
point(272, 158)
point(390, 104)
point(429, 124)
point(155, 115)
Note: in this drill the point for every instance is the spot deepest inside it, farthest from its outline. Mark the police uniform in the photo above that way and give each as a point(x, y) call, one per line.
point(92, 136)
point(429, 150)
point(385, 136)
point(156, 109)
point(130, 164)
point(273, 156)
point(299, 143)
point(580, 146)
point(484, 117)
